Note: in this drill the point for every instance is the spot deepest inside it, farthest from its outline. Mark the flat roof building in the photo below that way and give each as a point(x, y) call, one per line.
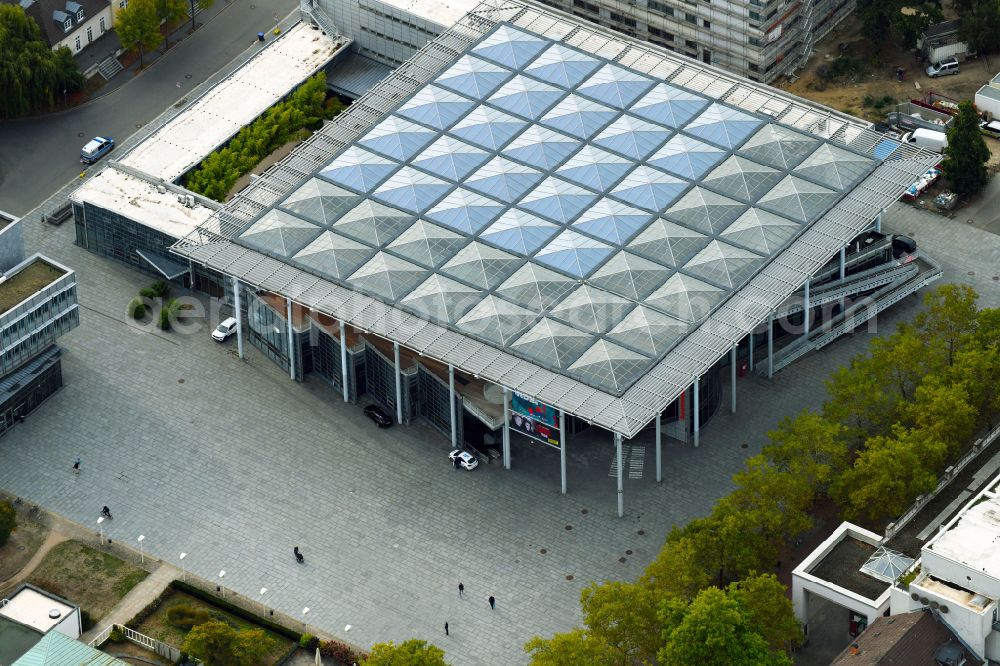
point(580, 219)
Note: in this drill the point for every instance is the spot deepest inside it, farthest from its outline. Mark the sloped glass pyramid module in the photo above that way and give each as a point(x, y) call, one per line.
point(552, 344)
point(742, 179)
point(632, 137)
point(705, 210)
point(465, 211)
point(615, 86)
point(519, 232)
point(612, 221)
point(411, 190)
point(562, 66)
point(668, 243)
point(442, 299)
point(557, 199)
point(450, 158)
point(358, 169)
point(535, 287)
point(648, 331)
point(435, 106)
point(835, 167)
point(686, 157)
point(778, 146)
point(333, 255)
point(497, 320)
point(592, 309)
point(760, 231)
point(595, 168)
point(387, 276)
point(630, 275)
point(723, 264)
point(799, 199)
point(610, 366)
point(473, 76)
point(320, 202)
point(510, 47)
point(541, 147)
point(723, 125)
point(670, 106)
point(685, 298)
point(372, 223)
point(279, 233)
point(573, 253)
point(488, 128)
point(398, 138)
point(482, 266)
point(427, 244)
point(526, 97)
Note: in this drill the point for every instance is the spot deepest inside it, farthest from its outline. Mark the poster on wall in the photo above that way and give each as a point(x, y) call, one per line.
point(534, 419)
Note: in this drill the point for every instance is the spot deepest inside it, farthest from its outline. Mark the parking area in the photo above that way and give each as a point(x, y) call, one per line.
point(234, 464)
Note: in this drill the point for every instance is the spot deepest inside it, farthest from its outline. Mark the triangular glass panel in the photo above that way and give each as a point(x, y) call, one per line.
point(320, 202)
point(668, 243)
point(724, 264)
point(397, 138)
point(373, 223)
point(526, 97)
point(427, 244)
point(503, 179)
point(387, 276)
point(465, 211)
point(686, 157)
point(649, 331)
point(835, 167)
point(705, 210)
point(670, 106)
point(630, 275)
point(592, 309)
point(488, 127)
point(519, 232)
point(481, 266)
point(650, 188)
point(557, 199)
point(723, 125)
point(562, 66)
point(632, 137)
point(279, 233)
point(612, 221)
point(609, 367)
point(535, 287)
point(742, 178)
point(778, 146)
point(595, 168)
point(435, 106)
point(333, 255)
point(442, 299)
point(799, 199)
point(450, 158)
point(510, 47)
point(578, 116)
point(358, 169)
point(496, 320)
point(574, 253)
point(474, 77)
point(552, 344)
point(615, 85)
point(412, 190)
point(541, 147)
point(760, 231)
point(685, 298)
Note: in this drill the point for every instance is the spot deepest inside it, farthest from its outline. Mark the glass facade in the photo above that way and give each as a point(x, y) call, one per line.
point(28, 388)
point(433, 403)
point(111, 235)
point(34, 324)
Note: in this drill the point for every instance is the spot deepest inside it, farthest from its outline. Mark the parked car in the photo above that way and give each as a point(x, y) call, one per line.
point(96, 148)
point(465, 459)
point(943, 68)
point(224, 330)
point(378, 416)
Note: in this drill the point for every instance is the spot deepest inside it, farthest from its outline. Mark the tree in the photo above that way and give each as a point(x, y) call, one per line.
point(138, 26)
point(942, 411)
point(201, 4)
point(251, 646)
point(32, 75)
point(949, 318)
point(714, 631)
point(876, 18)
point(980, 27)
point(622, 617)
point(910, 24)
point(568, 649)
point(408, 653)
point(218, 644)
point(809, 446)
point(169, 11)
point(966, 153)
point(766, 602)
point(8, 521)
point(776, 501)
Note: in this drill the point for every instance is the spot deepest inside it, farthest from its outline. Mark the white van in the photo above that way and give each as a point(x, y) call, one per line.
point(929, 139)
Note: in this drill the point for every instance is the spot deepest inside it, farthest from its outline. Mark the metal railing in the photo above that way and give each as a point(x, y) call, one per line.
point(853, 284)
point(158, 647)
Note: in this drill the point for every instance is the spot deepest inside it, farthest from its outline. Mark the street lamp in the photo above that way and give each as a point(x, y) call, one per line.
point(142, 559)
point(305, 611)
point(222, 574)
point(183, 573)
point(263, 606)
point(101, 528)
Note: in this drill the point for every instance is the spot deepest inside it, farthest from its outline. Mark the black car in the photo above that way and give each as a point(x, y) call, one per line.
point(378, 416)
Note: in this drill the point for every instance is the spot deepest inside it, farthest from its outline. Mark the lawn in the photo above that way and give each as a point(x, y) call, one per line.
point(94, 580)
point(24, 541)
point(156, 625)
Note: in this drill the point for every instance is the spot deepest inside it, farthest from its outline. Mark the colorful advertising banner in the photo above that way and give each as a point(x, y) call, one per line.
point(534, 419)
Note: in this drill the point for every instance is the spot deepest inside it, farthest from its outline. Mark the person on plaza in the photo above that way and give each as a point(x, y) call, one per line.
point(493, 602)
point(446, 629)
point(106, 512)
point(76, 466)
point(461, 589)
point(298, 555)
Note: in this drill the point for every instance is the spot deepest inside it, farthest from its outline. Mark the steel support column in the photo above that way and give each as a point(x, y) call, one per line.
point(843, 262)
point(291, 340)
point(659, 455)
point(878, 223)
point(732, 376)
point(751, 352)
point(696, 415)
point(562, 449)
point(770, 346)
point(621, 489)
point(399, 384)
point(506, 427)
point(451, 405)
point(806, 314)
point(343, 359)
point(238, 313)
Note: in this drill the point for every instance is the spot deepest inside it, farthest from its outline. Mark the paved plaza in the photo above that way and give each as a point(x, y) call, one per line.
point(234, 464)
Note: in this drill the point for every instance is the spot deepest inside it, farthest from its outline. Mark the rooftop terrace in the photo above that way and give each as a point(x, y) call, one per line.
point(21, 285)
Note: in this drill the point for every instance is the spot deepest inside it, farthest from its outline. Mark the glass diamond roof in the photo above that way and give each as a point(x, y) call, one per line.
point(567, 209)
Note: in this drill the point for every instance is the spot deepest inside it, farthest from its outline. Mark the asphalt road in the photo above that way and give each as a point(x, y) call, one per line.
point(40, 155)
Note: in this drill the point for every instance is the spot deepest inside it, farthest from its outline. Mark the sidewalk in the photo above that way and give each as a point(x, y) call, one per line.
point(138, 598)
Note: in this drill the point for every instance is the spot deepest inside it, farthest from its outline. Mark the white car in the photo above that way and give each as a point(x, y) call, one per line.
point(465, 459)
point(224, 330)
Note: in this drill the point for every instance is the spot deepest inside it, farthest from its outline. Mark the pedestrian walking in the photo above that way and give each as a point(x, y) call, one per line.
point(298, 556)
point(461, 589)
point(76, 466)
point(493, 603)
point(455, 462)
point(446, 629)
point(106, 512)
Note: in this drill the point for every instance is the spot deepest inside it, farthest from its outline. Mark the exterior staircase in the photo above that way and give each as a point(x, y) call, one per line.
point(109, 68)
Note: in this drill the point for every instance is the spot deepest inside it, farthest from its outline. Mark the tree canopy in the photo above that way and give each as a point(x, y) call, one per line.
point(413, 652)
point(138, 26)
point(32, 76)
point(966, 153)
point(218, 644)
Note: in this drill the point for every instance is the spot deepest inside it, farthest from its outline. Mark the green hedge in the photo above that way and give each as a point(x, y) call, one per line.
point(236, 610)
point(307, 107)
